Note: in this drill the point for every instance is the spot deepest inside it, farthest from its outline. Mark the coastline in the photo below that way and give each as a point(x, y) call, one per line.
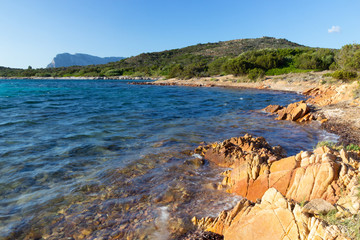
point(293, 82)
point(334, 101)
point(290, 194)
point(80, 78)
point(336, 104)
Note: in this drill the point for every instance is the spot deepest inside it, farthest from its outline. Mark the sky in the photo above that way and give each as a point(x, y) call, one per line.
point(33, 32)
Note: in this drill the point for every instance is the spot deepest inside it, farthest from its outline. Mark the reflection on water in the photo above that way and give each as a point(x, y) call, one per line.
point(108, 160)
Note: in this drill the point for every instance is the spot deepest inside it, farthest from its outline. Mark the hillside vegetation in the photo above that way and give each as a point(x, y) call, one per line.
point(252, 57)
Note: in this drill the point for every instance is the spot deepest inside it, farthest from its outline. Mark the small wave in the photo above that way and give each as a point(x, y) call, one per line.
point(197, 156)
point(162, 224)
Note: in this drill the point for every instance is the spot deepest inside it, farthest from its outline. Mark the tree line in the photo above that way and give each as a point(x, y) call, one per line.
point(176, 64)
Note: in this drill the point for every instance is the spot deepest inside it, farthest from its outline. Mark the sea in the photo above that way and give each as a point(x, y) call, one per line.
point(105, 159)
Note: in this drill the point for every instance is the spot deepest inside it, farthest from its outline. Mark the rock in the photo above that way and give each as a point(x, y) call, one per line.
point(306, 176)
point(318, 206)
point(322, 177)
point(273, 108)
point(236, 150)
point(274, 217)
point(202, 235)
point(196, 162)
point(298, 111)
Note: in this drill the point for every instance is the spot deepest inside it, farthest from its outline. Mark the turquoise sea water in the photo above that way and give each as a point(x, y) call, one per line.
point(107, 160)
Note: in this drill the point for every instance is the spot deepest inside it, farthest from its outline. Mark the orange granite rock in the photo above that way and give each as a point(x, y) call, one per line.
point(256, 167)
point(274, 217)
point(298, 111)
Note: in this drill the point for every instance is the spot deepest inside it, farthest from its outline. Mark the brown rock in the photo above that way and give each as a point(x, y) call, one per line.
point(243, 149)
point(298, 111)
point(318, 206)
point(273, 108)
point(257, 188)
point(273, 218)
point(306, 176)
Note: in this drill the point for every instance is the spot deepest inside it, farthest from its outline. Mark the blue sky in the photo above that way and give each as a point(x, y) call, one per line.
point(33, 32)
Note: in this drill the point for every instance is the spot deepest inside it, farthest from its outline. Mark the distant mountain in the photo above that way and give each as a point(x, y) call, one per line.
point(79, 59)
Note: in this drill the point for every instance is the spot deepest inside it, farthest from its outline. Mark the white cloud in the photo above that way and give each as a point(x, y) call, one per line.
point(334, 29)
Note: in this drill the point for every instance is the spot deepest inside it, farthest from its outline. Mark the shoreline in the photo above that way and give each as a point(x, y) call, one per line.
point(80, 78)
point(333, 101)
point(295, 190)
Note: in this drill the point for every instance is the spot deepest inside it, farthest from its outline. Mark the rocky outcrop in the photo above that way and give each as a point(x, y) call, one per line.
point(299, 112)
point(333, 94)
point(274, 217)
point(322, 178)
point(257, 167)
point(241, 150)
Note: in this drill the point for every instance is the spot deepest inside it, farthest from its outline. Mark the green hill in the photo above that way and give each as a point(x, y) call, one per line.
point(198, 60)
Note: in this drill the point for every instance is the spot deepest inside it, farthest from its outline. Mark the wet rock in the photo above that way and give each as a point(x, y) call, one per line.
point(196, 162)
point(202, 235)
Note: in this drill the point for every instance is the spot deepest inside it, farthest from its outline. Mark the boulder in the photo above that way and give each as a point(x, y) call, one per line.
point(274, 217)
point(238, 150)
point(256, 167)
point(298, 111)
point(318, 206)
point(273, 108)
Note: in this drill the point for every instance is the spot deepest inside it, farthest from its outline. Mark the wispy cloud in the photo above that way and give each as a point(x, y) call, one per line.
point(334, 29)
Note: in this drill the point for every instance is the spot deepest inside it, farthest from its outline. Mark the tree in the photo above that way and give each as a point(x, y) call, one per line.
point(348, 57)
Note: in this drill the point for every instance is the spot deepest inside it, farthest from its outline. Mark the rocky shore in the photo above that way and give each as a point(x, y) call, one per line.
point(285, 197)
point(335, 104)
point(311, 195)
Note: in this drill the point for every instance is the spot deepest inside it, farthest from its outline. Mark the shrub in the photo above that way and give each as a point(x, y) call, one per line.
point(352, 147)
point(280, 71)
point(113, 72)
point(320, 59)
point(237, 66)
point(344, 75)
point(327, 144)
point(256, 73)
point(215, 67)
point(348, 57)
point(175, 71)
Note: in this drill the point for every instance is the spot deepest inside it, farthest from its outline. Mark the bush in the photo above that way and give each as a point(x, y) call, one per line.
point(113, 72)
point(344, 75)
point(256, 73)
point(280, 71)
point(327, 144)
point(320, 59)
point(215, 67)
point(352, 147)
point(348, 57)
point(237, 66)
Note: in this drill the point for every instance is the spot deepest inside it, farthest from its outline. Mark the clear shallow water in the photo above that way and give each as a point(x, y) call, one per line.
point(106, 159)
